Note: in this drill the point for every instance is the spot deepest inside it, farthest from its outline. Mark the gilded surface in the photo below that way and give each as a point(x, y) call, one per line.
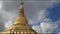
point(20, 25)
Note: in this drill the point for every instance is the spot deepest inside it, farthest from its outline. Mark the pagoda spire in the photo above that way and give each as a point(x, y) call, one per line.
point(20, 25)
point(21, 17)
point(21, 9)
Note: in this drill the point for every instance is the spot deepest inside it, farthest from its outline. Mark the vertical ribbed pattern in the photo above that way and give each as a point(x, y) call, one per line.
point(20, 25)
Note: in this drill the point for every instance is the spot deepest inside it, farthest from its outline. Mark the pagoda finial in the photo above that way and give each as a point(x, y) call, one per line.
point(21, 17)
point(21, 9)
point(21, 1)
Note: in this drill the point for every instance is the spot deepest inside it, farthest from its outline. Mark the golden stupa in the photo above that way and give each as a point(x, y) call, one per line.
point(20, 26)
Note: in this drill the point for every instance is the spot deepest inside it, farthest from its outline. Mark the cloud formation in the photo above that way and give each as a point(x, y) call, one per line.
point(45, 26)
point(39, 16)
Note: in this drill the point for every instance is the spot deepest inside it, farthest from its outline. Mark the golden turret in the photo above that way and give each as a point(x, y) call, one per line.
point(21, 17)
point(20, 26)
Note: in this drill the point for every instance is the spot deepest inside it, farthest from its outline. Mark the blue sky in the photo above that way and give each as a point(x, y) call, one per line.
point(53, 15)
point(54, 12)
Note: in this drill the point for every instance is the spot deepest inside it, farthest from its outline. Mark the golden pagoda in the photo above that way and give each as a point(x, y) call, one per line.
point(20, 26)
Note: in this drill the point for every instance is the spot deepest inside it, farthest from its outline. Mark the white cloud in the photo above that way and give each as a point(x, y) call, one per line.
point(37, 28)
point(45, 25)
point(6, 17)
point(42, 14)
point(31, 21)
point(48, 27)
point(38, 17)
point(8, 23)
